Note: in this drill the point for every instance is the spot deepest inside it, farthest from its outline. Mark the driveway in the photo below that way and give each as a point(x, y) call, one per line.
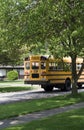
point(37, 93)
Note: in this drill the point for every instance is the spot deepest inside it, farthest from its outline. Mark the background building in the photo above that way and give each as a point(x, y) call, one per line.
point(5, 69)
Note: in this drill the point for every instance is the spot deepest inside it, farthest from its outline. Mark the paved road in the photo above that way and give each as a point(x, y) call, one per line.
point(37, 93)
point(27, 95)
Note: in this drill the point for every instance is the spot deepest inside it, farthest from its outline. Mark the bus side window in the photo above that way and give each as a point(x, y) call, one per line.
point(67, 67)
point(60, 66)
point(52, 66)
point(43, 65)
point(78, 66)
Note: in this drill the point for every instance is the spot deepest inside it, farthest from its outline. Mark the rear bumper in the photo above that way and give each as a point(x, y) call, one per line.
point(40, 82)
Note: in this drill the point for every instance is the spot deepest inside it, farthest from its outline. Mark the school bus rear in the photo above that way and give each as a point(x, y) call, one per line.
point(34, 70)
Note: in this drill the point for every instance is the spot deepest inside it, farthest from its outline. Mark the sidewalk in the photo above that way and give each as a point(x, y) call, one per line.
point(37, 115)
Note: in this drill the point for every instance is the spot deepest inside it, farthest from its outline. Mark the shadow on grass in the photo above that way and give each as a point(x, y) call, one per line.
point(72, 120)
point(14, 89)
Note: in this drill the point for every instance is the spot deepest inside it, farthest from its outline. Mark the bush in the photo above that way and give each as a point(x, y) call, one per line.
point(12, 75)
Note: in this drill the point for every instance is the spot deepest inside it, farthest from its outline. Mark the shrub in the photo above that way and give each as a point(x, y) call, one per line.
point(12, 75)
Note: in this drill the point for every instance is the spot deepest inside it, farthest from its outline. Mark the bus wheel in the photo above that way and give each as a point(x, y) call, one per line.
point(63, 87)
point(68, 84)
point(79, 85)
point(48, 88)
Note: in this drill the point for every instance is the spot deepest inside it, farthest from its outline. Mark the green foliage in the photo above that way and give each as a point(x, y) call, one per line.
point(61, 24)
point(58, 23)
point(9, 37)
point(12, 75)
point(38, 22)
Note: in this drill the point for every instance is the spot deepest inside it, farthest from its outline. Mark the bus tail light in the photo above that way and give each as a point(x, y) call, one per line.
point(27, 73)
point(43, 73)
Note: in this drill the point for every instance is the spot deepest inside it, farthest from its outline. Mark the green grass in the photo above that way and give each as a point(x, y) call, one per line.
point(12, 81)
point(72, 120)
point(14, 89)
point(24, 107)
point(13, 86)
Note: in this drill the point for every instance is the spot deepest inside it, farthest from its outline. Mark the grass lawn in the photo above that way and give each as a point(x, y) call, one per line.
point(14, 89)
point(72, 120)
point(12, 81)
point(13, 86)
point(24, 107)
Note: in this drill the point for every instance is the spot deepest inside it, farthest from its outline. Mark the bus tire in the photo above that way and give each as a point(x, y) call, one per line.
point(79, 85)
point(62, 87)
point(48, 88)
point(25, 82)
point(67, 85)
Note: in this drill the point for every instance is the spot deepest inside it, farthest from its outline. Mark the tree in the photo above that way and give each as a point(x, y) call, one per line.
point(70, 38)
point(57, 24)
point(10, 45)
point(18, 29)
point(61, 24)
point(67, 39)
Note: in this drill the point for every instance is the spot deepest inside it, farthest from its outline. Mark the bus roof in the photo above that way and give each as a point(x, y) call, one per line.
point(68, 59)
point(51, 58)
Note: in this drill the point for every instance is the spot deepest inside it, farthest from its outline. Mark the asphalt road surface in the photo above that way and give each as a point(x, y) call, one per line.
point(28, 95)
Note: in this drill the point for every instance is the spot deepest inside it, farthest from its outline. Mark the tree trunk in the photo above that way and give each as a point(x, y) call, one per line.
point(74, 76)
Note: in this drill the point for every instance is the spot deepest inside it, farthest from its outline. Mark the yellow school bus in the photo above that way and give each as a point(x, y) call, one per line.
point(50, 72)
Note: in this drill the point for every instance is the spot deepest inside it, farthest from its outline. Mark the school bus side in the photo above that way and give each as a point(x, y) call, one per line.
point(49, 73)
point(59, 74)
point(56, 76)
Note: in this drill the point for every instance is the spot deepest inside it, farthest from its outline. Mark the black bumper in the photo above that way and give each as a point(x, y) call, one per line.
point(36, 82)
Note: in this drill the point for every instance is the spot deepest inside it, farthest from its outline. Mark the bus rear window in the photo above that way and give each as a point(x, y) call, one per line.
point(27, 65)
point(35, 65)
point(43, 65)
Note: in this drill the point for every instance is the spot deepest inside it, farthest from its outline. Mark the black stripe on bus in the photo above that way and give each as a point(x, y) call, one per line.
point(57, 79)
point(64, 79)
point(56, 75)
point(81, 78)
